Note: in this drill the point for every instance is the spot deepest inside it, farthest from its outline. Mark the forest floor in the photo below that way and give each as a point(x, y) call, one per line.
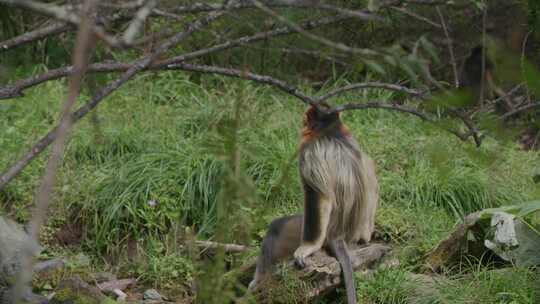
point(149, 170)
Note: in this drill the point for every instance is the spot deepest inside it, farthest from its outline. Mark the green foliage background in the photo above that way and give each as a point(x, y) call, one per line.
point(172, 157)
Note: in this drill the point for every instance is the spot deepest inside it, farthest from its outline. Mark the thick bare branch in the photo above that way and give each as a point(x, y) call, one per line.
point(138, 66)
point(15, 89)
point(41, 33)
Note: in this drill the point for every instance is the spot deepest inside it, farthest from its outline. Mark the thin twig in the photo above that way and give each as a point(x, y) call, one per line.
point(138, 21)
point(483, 71)
point(206, 7)
point(509, 93)
point(43, 195)
point(522, 62)
point(416, 16)
point(169, 15)
point(473, 131)
point(336, 45)
point(315, 54)
point(450, 48)
point(521, 109)
point(199, 7)
point(228, 248)
point(41, 33)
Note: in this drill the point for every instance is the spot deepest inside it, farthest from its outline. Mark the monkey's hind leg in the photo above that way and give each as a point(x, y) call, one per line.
point(316, 219)
point(279, 243)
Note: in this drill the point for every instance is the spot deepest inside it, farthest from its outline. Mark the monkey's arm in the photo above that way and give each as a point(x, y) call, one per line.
point(317, 208)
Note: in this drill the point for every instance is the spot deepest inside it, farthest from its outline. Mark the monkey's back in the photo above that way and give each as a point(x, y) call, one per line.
point(333, 165)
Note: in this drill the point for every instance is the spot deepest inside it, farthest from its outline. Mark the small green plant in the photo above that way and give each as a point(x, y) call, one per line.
point(168, 271)
point(387, 286)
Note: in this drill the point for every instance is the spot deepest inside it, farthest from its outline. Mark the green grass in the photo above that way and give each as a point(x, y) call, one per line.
point(160, 157)
point(479, 285)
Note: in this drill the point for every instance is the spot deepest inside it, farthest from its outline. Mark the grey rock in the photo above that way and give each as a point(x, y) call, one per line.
point(49, 265)
point(14, 243)
point(152, 294)
point(6, 297)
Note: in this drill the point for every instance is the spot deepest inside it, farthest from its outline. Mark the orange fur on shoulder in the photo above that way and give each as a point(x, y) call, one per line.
point(343, 129)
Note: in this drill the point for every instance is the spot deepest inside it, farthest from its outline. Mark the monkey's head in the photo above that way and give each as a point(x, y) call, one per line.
point(316, 120)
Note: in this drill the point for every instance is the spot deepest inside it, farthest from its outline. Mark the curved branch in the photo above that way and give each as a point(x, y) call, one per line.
point(364, 85)
point(381, 105)
point(424, 116)
point(264, 79)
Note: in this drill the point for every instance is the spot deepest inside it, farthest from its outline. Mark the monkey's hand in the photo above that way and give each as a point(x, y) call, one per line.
point(302, 253)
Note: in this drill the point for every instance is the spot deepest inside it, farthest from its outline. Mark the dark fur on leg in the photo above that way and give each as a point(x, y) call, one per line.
point(279, 243)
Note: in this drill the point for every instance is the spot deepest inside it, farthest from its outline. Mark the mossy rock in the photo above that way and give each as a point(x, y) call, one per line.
point(75, 291)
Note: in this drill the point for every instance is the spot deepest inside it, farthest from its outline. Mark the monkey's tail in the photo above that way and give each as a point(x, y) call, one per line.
point(339, 251)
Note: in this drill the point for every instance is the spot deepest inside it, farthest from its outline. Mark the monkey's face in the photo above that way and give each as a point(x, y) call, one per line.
point(316, 120)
